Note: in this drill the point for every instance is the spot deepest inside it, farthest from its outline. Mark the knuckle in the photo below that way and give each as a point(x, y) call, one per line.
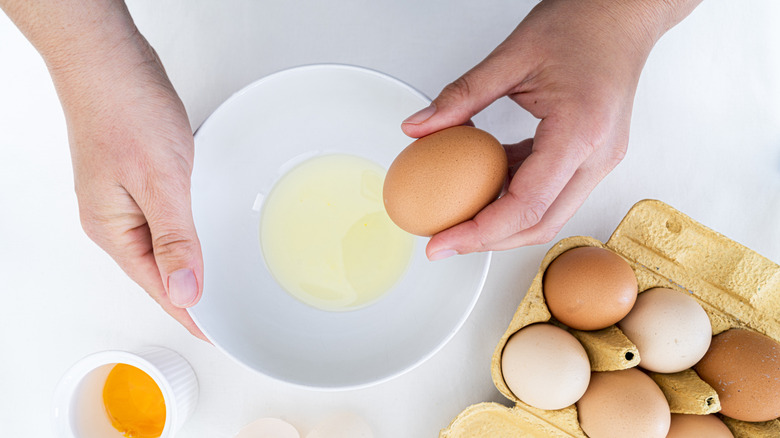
point(90, 229)
point(589, 141)
point(589, 134)
point(150, 171)
point(460, 89)
point(533, 212)
point(616, 154)
point(171, 245)
point(545, 235)
point(483, 242)
point(480, 240)
point(585, 148)
point(91, 224)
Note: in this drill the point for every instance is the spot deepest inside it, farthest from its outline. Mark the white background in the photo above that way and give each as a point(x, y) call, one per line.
point(705, 139)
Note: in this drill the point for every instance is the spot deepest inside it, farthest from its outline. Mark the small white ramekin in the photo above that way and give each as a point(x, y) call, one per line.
point(78, 410)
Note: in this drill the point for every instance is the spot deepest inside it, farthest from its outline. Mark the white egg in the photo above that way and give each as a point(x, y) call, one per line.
point(670, 329)
point(342, 425)
point(268, 428)
point(545, 366)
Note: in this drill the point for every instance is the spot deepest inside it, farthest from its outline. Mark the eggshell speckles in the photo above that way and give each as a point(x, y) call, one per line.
point(744, 368)
point(589, 288)
point(670, 329)
point(443, 179)
point(698, 426)
point(622, 404)
point(545, 366)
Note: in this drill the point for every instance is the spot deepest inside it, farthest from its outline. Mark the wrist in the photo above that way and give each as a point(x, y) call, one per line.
point(83, 42)
point(677, 10)
point(71, 31)
point(98, 50)
point(655, 17)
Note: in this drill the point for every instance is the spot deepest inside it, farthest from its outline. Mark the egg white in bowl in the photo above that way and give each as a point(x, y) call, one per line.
point(241, 150)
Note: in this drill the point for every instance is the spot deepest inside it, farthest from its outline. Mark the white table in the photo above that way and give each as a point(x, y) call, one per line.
point(705, 138)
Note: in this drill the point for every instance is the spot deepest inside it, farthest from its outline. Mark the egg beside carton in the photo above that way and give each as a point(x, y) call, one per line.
point(736, 287)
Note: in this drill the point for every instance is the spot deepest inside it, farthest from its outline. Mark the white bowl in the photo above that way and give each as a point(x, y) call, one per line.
point(78, 410)
point(240, 151)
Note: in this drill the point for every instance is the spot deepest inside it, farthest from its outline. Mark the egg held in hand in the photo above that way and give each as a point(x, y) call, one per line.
point(443, 179)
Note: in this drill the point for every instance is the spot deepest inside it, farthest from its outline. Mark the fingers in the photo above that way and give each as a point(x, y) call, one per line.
point(132, 167)
point(129, 243)
point(145, 223)
point(466, 96)
point(562, 209)
point(556, 155)
point(176, 248)
point(559, 212)
point(141, 266)
point(577, 190)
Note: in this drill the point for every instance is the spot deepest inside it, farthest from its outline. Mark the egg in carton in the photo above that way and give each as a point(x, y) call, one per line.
point(737, 288)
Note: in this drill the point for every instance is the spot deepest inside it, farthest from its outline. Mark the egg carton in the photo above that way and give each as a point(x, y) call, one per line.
point(736, 287)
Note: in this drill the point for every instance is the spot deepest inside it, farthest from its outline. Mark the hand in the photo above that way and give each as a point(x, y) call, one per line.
point(131, 143)
point(132, 151)
point(573, 64)
point(130, 140)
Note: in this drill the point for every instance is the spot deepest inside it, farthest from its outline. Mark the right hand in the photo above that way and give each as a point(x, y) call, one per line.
point(132, 150)
point(575, 65)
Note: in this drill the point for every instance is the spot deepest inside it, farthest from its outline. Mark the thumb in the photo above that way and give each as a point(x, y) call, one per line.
point(175, 244)
point(459, 101)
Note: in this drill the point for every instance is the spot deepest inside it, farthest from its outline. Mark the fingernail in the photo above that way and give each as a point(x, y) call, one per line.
point(422, 115)
point(182, 287)
point(442, 254)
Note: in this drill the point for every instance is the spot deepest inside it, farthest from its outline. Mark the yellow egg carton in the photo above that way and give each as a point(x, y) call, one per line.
point(735, 286)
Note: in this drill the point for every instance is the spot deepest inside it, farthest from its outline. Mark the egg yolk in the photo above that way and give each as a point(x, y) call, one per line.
point(134, 402)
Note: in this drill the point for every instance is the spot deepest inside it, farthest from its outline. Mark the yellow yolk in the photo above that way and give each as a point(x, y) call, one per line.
point(134, 402)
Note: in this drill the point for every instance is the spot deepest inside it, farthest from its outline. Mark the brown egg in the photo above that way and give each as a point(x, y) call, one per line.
point(698, 426)
point(624, 403)
point(443, 179)
point(589, 288)
point(744, 368)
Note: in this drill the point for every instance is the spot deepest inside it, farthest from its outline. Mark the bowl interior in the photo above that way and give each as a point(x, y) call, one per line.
point(241, 150)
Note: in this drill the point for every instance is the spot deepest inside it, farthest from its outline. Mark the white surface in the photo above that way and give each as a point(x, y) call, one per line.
point(268, 428)
point(342, 425)
point(705, 138)
point(243, 147)
point(78, 397)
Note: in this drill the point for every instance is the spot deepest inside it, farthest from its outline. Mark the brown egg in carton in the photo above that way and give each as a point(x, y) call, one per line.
point(736, 287)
